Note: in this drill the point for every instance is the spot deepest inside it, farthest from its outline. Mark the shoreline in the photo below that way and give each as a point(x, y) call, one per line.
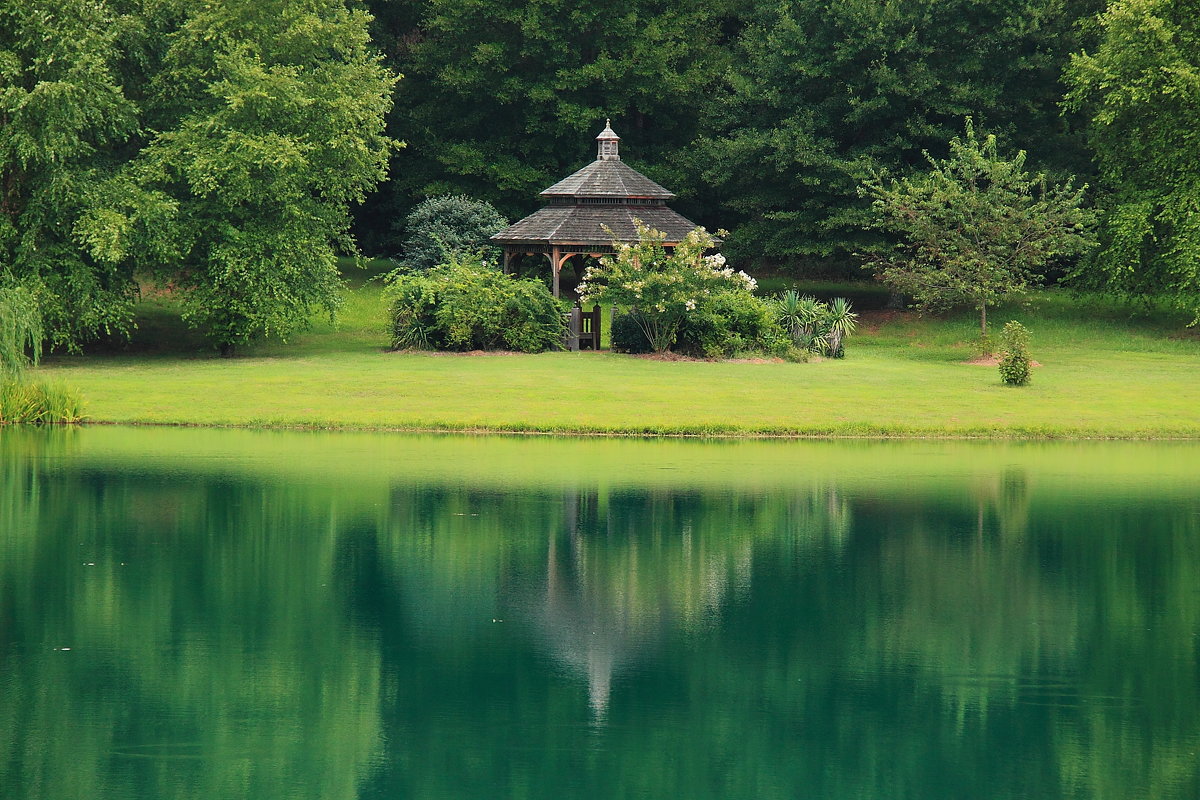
point(449, 429)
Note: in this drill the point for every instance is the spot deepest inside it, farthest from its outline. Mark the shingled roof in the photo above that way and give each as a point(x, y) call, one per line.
point(579, 225)
point(598, 205)
point(603, 178)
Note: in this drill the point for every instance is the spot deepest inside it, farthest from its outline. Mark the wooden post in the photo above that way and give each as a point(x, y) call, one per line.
point(507, 257)
point(596, 316)
point(555, 265)
point(574, 328)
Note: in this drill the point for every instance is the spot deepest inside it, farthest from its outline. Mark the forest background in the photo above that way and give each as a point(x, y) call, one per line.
point(233, 151)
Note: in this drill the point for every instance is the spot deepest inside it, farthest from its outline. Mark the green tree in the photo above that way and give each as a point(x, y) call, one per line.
point(976, 228)
point(63, 115)
point(270, 125)
point(1141, 88)
point(824, 91)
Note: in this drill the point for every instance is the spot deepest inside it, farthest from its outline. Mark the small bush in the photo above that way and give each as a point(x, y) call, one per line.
point(627, 334)
point(442, 228)
point(1015, 362)
point(463, 305)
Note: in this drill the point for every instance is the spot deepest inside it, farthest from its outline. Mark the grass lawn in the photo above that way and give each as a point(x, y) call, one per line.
point(1104, 375)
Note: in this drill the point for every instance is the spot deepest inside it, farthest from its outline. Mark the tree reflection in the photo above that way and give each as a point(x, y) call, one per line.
point(234, 635)
point(170, 638)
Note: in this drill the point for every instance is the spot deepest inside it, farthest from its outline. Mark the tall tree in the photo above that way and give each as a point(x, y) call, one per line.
point(1141, 88)
point(825, 91)
point(270, 117)
point(63, 117)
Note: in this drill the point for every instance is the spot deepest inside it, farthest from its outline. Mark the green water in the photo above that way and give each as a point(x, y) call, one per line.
point(230, 614)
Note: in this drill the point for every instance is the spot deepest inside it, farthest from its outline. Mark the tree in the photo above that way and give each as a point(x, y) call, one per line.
point(449, 226)
point(63, 114)
point(976, 228)
point(1141, 88)
point(270, 125)
point(821, 92)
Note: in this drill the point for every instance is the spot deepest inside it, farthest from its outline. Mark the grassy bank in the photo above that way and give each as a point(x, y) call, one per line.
point(1103, 375)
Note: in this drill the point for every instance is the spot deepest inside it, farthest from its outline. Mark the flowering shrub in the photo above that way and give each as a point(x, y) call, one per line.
point(664, 288)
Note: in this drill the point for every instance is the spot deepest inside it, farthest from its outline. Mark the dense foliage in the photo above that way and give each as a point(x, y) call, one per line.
point(1141, 87)
point(21, 331)
point(502, 97)
point(446, 227)
point(824, 92)
point(976, 228)
point(729, 323)
point(213, 148)
point(788, 103)
point(463, 305)
point(218, 149)
point(64, 121)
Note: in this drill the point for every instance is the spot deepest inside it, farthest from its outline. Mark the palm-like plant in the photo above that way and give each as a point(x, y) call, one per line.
point(839, 323)
point(799, 316)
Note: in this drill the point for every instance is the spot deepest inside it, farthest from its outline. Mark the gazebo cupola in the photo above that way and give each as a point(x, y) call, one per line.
point(586, 212)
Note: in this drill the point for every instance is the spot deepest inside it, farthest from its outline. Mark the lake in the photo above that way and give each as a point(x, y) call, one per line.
point(190, 613)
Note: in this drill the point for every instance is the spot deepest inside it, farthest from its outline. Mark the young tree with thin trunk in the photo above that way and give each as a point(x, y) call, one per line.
point(976, 228)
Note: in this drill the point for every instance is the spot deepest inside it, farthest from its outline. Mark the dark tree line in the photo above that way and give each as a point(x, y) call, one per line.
point(765, 117)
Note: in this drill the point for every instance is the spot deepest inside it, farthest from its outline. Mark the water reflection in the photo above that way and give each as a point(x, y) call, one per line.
point(228, 627)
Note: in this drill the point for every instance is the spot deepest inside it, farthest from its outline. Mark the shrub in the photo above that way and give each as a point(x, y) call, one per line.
point(1015, 363)
point(838, 323)
point(627, 334)
point(451, 226)
point(730, 322)
point(665, 288)
point(462, 305)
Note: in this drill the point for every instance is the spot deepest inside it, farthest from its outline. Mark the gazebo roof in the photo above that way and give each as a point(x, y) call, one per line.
point(608, 178)
point(598, 205)
point(580, 225)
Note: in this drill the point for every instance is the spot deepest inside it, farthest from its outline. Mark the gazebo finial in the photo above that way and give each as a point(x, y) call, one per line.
point(606, 149)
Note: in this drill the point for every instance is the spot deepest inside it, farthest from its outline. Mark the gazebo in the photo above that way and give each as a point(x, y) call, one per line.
point(588, 211)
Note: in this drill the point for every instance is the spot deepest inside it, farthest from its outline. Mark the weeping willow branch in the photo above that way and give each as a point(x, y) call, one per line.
point(21, 331)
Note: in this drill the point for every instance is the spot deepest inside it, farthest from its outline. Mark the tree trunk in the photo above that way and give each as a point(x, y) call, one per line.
point(983, 320)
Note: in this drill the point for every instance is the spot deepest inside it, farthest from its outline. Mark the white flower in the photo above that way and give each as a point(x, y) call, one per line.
point(715, 261)
point(690, 305)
